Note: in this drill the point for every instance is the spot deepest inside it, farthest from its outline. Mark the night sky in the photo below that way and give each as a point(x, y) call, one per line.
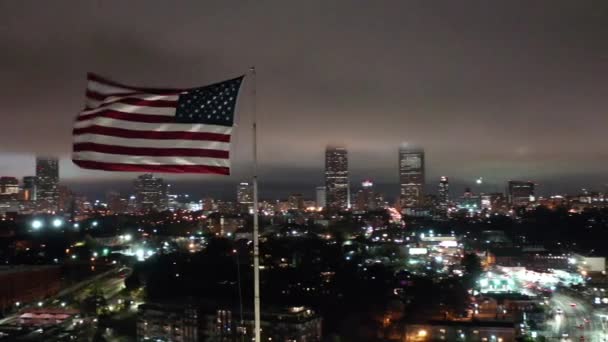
point(498, 89)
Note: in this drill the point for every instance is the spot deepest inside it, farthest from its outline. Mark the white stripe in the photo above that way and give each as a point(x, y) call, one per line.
point(149, 160)
point(133, 109)
point(94, 104)
point(157, 127)
point(154, 143)
point(104, 89)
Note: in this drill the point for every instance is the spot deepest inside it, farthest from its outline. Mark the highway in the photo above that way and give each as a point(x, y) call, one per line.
point(577, 321)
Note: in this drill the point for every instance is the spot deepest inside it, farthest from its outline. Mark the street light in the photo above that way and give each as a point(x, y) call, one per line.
point(37, 224)
point(94, 224)
point(57, 223)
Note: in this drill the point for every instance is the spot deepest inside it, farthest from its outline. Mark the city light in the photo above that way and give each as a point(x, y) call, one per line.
point(37, 224)
point(94, 224)
point(422, 333)
point(57, 222)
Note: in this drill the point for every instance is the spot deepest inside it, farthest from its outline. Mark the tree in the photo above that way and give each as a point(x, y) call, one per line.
point(472, 269)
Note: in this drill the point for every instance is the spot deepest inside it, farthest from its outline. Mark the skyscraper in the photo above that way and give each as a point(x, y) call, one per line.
point(29, 188)
point(321, 197)
point(444, 195)
point(150, 193)
point(296, 201)
point(336, 178)
point(520, 193)
point(411, 176)
point(366, 198)
point(244, 197)
point(47, 174)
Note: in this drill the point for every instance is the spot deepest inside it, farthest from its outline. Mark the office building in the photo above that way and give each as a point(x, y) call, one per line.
point(411, 177)
point(150, 193)
point(366, 198)
point(443, 197)
point(9, 186)
point(321, 197)
point(521, 193)
point(29, 188)
point(244, 197)
point(47, 175)
point(296, 202)
point(336, 178)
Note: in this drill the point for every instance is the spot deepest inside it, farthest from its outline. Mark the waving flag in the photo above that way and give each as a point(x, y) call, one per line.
point(124, 128)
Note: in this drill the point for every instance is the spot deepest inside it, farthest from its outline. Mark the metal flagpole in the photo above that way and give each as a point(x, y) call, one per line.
point(256, 246)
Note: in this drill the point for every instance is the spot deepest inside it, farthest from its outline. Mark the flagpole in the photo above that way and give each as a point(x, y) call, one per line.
point(256, 246)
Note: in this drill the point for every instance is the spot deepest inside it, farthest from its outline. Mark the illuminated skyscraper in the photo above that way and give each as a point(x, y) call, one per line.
point(444, 195)
point(321, 197)
point(411, 177)
point(336, 178)
point(244, 197)
point(296, 201)
point(150, 193)
point(29, 188)
point(366, 198)
point(47, 174)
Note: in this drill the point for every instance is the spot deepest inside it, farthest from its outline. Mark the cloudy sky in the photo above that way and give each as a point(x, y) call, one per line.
point(498, 89)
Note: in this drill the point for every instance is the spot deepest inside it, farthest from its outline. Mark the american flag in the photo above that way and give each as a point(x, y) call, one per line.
point(124, 128)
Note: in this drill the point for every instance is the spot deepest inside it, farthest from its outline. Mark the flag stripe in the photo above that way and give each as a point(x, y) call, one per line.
point(126, 133)
point(97, 165)
point(150, 151)
point(124, 128)
point(137, 99)
point(113, 114)
point(159, 127)
point(126, 108)
point(158, 143)
point(150, 160)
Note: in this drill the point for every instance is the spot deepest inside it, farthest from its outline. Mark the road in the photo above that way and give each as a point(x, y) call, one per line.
point(577, 322)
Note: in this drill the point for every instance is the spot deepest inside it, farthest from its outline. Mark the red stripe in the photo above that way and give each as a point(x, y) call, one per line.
point(100, 97)
point(114, 114)
point(141, 102)
point(97, 78)
point(127, 133)
point(151, 151)
point(87, 164)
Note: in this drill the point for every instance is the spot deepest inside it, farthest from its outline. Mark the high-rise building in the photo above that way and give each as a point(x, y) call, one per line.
point(521, 193)
point(321, 196)
point(411, 176)
point(443, 197)
point(47, 175)
point(336, 178)
point(116, 203)
point(366, 198)
point(244, 197)
point(150, 193)
point(29, 188)
point(65, 199)
point(296, 201)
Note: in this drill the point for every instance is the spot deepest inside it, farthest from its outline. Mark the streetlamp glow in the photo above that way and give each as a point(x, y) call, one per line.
point(57, 222)
point(94, 224)
point(37, 224)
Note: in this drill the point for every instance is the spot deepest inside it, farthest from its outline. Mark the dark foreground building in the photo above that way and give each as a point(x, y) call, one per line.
point(191, 322)
point(27, 284)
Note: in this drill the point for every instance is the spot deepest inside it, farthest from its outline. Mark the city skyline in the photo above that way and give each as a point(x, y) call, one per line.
point(449, 102)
